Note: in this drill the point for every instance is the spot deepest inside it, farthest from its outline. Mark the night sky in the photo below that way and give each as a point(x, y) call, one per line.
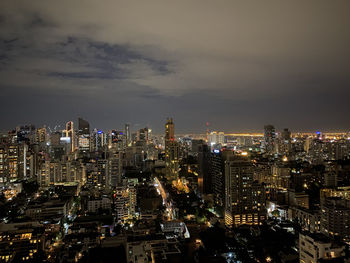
point(236, 64)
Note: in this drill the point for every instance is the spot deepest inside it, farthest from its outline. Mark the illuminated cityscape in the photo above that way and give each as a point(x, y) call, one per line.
point(174, 131)
point(75, 194)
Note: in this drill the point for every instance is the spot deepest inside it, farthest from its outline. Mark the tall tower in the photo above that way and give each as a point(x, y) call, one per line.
point(142, 135)
point(127, 134)
point(269, 137)
point(169, 130)
point(284, 142)
point(83, 127)
point(244, 198)
point(207, 131)
point(83, 135)
point(171, 151)
point(71, 134)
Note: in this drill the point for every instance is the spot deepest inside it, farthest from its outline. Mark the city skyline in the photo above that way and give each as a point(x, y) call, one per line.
point(135, 127)
point(236, 65)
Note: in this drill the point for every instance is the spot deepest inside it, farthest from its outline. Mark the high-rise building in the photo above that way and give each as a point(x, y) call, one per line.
point(23, 241)
point(142, 135)
point(217, 174)
point(14, 162)
point(204, 181)
point(244, 198)
point(171, 151)
point(25, 133)
point(97, 140)
point(83, 127)
point(335, 217)
point(283, 144)
point(124, 200)
point(286, 134)
point(83, 135)
point(116, 140)
point(115, 169)
point(71, 134)
point(127, 134)
point(41, 135)
point(102, 172)
point(269, 138)
point(216, 138)
point(169, 130)
point(4, 169)
point(210, 174)
point(196, 144)
point(55, 138)
point(84, 143)
point(61, 171)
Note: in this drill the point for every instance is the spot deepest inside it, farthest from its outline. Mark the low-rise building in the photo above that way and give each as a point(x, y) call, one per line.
point(48, 210)
point(309, 220)
point(298, 199)
point(100, 203)
point(317, 247)
point(154, 250)
point(21, 241)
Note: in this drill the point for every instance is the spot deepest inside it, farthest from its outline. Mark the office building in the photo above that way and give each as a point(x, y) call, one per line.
point(204, 180)
point(115, 169)
point(83, 135)
point(217, 173)
point(124, 200)
point(70, 133)
point(335, 218)
point(83, 127)
point(127, 134)
point(171, 151)
point(216, 138)
point(269, 138)
point(98, 140)
point(142, 135)
point(244, 198)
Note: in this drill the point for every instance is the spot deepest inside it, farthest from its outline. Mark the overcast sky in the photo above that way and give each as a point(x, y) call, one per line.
point(236, 64)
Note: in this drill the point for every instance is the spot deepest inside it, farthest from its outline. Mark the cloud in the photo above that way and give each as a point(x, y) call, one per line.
point(202, 60)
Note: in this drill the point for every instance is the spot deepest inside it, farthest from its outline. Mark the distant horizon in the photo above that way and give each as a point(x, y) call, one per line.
point(181, 132)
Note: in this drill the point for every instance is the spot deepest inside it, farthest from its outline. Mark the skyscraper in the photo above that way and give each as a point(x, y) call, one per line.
point(142, 135)
point(335, 217)
point(169, 130)
point(244, 198)
point(203, 174)
point(269, 138)
point(83, 135)
point(71, 134)
point(83, 127)
point(127, 134)
point(286, 134)
point(216, 138)
point(283, 142)
point(97, 140)
point(171, 151)
point(115, 169)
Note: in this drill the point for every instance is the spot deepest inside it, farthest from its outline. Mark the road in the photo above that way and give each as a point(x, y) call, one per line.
point(169, 211)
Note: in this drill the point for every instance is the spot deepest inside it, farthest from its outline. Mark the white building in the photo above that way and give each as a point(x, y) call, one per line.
point(216, 138)
point(314, 247)
point(125, 201)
